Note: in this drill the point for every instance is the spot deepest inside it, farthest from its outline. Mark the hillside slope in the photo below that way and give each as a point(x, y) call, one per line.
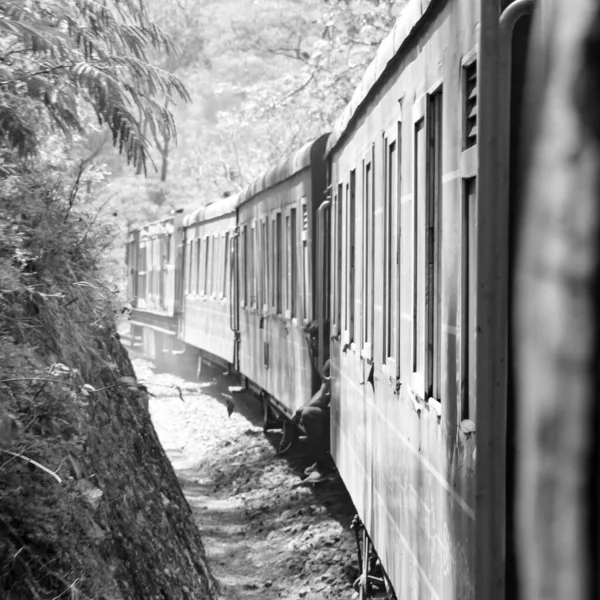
point(100, 513)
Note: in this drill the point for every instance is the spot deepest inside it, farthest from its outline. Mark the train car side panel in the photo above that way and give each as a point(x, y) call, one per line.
point(401, 434)
point(206, 322)
point(275, 245)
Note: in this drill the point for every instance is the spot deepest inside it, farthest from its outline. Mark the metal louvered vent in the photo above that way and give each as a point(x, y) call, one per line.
point(471, 105)
point(304, 217)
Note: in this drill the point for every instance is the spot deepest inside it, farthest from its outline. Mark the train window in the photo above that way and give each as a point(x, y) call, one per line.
point(345, 265)
point(196, 267)
point(148, 269)
point(218, 291)
point(391, 253)
point(277, 275)
point(351, 255)
point(292, 268)
point(367, 256)
point(142, 271)
point(434, 203)
point(287, 265)
point(419, 200)
point(337, 257)
point(470, 104)
point(209, 267)
point(206, 264)
point(264, 264)
point(225, 265)
point(306, 270)
point(167, 248)
point(251, 286)
point(202, 267)
point(216, 263)
point(468, 298)
point(188, 263)
point(244, 275)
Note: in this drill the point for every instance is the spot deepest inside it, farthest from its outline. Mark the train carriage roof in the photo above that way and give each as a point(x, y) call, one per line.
point(221, 207)
point(286, 168)
point(155, 227)
point(405, 25)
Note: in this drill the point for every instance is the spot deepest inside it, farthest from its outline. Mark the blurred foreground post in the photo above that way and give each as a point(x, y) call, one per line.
point(558, 310)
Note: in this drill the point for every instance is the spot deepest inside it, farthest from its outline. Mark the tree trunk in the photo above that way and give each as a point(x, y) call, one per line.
point(557, 311)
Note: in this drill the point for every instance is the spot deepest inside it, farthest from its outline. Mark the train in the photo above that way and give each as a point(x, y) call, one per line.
point(386, 247)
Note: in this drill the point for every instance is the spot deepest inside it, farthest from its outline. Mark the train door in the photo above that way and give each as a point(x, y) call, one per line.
point(515, 31)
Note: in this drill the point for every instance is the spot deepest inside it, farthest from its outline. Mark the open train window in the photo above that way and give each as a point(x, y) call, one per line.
point(391, 227)
point(306, 267)
point(244, 264)
point(291, 274)
point(345, 201)
point(337, 258)
point(367, 256)
point(225, 265)
point(206, 267)
point(419, 202)
point(433, 258)
point(264, 265)
point(211, 267)
point(277, 259)
point(252, 267)
point(202, 266)
point(142, 270)
point(468, 308)
point(196, 266)
point(188, 264)
point(169, 249)
point(351, 256)
point(219, 266)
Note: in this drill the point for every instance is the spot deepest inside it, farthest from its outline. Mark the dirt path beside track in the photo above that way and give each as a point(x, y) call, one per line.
point(265, 536)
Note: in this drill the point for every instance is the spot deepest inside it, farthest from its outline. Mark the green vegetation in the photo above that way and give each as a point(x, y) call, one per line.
point(85, 487)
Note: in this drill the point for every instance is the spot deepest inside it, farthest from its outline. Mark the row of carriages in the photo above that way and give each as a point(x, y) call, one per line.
point(384, 246)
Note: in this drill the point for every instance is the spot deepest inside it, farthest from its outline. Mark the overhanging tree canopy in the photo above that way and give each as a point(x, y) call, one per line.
point(58, 58)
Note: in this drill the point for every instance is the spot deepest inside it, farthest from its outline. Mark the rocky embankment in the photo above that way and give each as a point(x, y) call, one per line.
point(265, 535)
point(90, 507)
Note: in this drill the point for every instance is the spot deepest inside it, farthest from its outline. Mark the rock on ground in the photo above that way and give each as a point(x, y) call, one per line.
point(265, 536)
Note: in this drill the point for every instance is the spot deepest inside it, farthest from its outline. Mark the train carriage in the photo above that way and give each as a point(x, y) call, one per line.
point(208, 290)
point(277, 273)
point(419, 312)
point(153, 279)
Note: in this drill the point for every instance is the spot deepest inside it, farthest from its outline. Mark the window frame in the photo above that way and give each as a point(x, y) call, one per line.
point(419, 189)
point(305, 230)
point(349, 340)
point(433, 242)
point(392, 141)
point(367, 253)
point(277, 286)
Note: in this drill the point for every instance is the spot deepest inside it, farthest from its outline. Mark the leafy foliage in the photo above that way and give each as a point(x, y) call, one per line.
point(266, 78)
point(59, 58)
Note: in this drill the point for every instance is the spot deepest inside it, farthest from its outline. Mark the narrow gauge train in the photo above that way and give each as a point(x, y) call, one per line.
point(394, 235)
